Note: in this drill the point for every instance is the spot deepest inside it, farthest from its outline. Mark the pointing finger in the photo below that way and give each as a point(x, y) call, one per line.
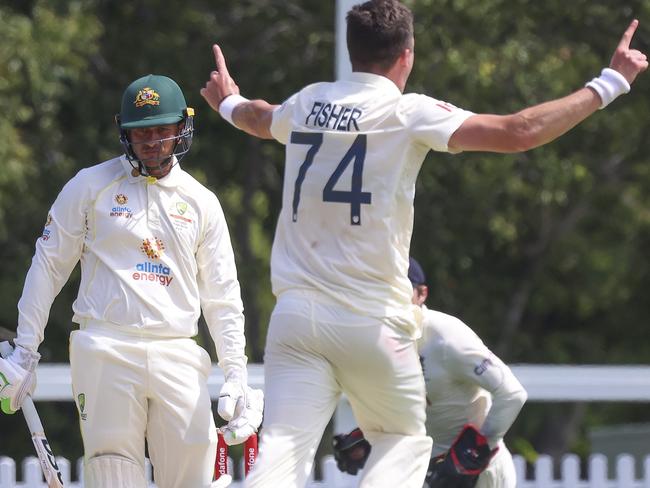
point(627, 35)
point(220, 60)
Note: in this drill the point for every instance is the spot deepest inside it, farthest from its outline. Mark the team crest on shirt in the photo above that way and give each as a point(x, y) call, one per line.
point(153, 247)
point(146, 96)
point(180, 212)
point(121, 209)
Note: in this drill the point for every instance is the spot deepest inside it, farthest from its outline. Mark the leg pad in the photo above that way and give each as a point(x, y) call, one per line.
point(111, 471)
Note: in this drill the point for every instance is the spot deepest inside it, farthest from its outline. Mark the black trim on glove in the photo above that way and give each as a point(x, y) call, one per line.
point(351, 451)
point(461, 466)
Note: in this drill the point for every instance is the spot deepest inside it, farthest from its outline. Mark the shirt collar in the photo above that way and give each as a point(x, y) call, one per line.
point(372, 79)
point(171, 179)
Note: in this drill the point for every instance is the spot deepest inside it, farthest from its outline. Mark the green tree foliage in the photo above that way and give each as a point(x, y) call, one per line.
point(44, 52)
point(545, 244)
point(543, 253)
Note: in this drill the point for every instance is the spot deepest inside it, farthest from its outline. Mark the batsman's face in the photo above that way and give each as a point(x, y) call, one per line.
point(153, 146)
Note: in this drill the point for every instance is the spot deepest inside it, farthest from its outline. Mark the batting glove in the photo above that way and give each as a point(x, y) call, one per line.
point(231, 398)
point(247, 416)
point(17, 377)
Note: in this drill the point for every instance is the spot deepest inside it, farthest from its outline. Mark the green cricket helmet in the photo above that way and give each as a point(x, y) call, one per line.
point(151, 101)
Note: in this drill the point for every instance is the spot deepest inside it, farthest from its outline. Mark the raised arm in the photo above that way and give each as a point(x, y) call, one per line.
point(222, 94)
point(537, 125)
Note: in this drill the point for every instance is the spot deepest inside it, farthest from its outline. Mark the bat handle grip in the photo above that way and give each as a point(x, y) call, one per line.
point(31, 416)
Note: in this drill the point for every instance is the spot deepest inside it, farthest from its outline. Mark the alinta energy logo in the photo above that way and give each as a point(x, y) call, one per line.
point(153, 248)
point(121, 210)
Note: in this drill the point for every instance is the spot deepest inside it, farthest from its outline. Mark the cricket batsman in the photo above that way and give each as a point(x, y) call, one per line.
point(155, 252)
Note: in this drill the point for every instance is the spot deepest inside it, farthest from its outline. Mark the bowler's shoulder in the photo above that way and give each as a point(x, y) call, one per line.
point(324, 91)
point(316, 87)
point(418, 103)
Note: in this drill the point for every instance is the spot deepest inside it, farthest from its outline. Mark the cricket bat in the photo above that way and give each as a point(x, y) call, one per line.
point(49, 466)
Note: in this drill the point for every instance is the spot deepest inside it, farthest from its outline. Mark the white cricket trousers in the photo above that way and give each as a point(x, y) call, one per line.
point(315, 350)
point(501, 472)
point(129, 387)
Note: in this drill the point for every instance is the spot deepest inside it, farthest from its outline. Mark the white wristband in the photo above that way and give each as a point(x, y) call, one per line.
point(228, 104)
point(609, 85)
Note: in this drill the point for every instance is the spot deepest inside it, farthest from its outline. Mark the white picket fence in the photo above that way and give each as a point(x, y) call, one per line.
point(597, 477)
point(569, 475)
point(545, 383)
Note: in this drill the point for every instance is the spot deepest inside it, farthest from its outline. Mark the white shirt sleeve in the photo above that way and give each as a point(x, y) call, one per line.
point(220, 293)
point(472, 361)
point(57, 252)
point(432, 122)
point(281, 123)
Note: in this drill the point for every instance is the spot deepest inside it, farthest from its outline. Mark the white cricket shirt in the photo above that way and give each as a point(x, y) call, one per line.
point(353, 151)
point(465, 382)
point(153, 254)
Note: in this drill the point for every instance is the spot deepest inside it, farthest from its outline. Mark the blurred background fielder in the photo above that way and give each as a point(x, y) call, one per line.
point(467, 385)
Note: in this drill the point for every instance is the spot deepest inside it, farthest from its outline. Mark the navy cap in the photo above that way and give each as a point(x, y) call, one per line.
point(415, 274)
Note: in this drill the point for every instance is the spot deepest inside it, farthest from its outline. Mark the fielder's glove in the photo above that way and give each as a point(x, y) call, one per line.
point(461, 466)
point(17, 376)
point(351, 451)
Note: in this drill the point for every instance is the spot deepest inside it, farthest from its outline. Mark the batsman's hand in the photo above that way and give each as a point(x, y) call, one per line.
point(243, 408)
point(461, 466)
point(231, 397)
point(17, 377)
point(219, 84)
point(351, 451)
